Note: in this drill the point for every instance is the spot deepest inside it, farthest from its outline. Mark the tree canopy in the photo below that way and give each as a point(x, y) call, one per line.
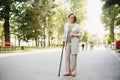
point(110, 17)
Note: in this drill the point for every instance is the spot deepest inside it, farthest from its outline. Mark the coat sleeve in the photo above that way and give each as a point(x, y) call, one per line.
point(79, 31)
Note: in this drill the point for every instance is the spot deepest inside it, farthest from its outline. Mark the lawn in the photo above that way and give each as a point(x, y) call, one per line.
point(19, 48)
point(117, 50)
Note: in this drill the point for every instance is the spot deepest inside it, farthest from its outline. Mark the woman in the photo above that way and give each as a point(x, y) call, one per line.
point(71, 38)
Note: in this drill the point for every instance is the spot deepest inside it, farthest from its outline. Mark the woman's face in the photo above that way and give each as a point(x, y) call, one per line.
point(71, 18)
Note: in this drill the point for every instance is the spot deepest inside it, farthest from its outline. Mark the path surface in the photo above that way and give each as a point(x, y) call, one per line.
point(99, 64)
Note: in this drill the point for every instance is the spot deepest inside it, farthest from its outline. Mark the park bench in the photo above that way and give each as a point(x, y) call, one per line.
point(6, 46)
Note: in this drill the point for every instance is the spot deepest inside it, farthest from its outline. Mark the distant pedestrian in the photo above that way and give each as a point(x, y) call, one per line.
point(83, 46)
point(91, 45)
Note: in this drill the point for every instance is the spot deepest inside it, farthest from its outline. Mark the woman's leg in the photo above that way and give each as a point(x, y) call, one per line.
point(67, 59)
point(73, 63)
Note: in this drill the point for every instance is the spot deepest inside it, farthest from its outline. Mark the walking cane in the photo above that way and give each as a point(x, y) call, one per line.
point(61, 59)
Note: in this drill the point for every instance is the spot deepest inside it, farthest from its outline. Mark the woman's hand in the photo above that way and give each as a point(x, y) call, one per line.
point(74, 35)
point(71, 34)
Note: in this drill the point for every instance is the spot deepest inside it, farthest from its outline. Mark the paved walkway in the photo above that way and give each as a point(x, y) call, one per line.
point(99, 64)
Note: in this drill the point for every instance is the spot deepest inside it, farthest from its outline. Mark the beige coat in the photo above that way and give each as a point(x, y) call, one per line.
point(74, 40)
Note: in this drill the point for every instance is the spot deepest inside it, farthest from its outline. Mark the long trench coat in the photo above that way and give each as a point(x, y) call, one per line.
point(74, 40)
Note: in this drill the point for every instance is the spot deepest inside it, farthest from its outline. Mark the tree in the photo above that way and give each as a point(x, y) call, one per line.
point(45, 12)
point(109, 3)
point(110, 17)
point(30, 20)
point(85, 37)
point(5, 11)
point(26, 21)
point(58, 21)
point(19, 20)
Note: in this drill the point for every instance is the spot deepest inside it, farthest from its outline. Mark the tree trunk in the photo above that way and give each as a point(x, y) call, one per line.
point(49, 40)
point(19, 42)
point(7, 24)
point(44, 31)
point(36, 42)
point(112, 26)
point(41, 42)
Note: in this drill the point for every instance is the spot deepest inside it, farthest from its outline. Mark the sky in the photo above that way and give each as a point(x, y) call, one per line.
point(93, 23)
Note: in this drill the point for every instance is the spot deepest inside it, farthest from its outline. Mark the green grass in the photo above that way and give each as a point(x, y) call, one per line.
point(117, 50)
point(19, 48)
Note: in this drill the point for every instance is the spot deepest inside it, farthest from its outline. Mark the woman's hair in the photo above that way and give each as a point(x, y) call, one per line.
point(75, 18)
